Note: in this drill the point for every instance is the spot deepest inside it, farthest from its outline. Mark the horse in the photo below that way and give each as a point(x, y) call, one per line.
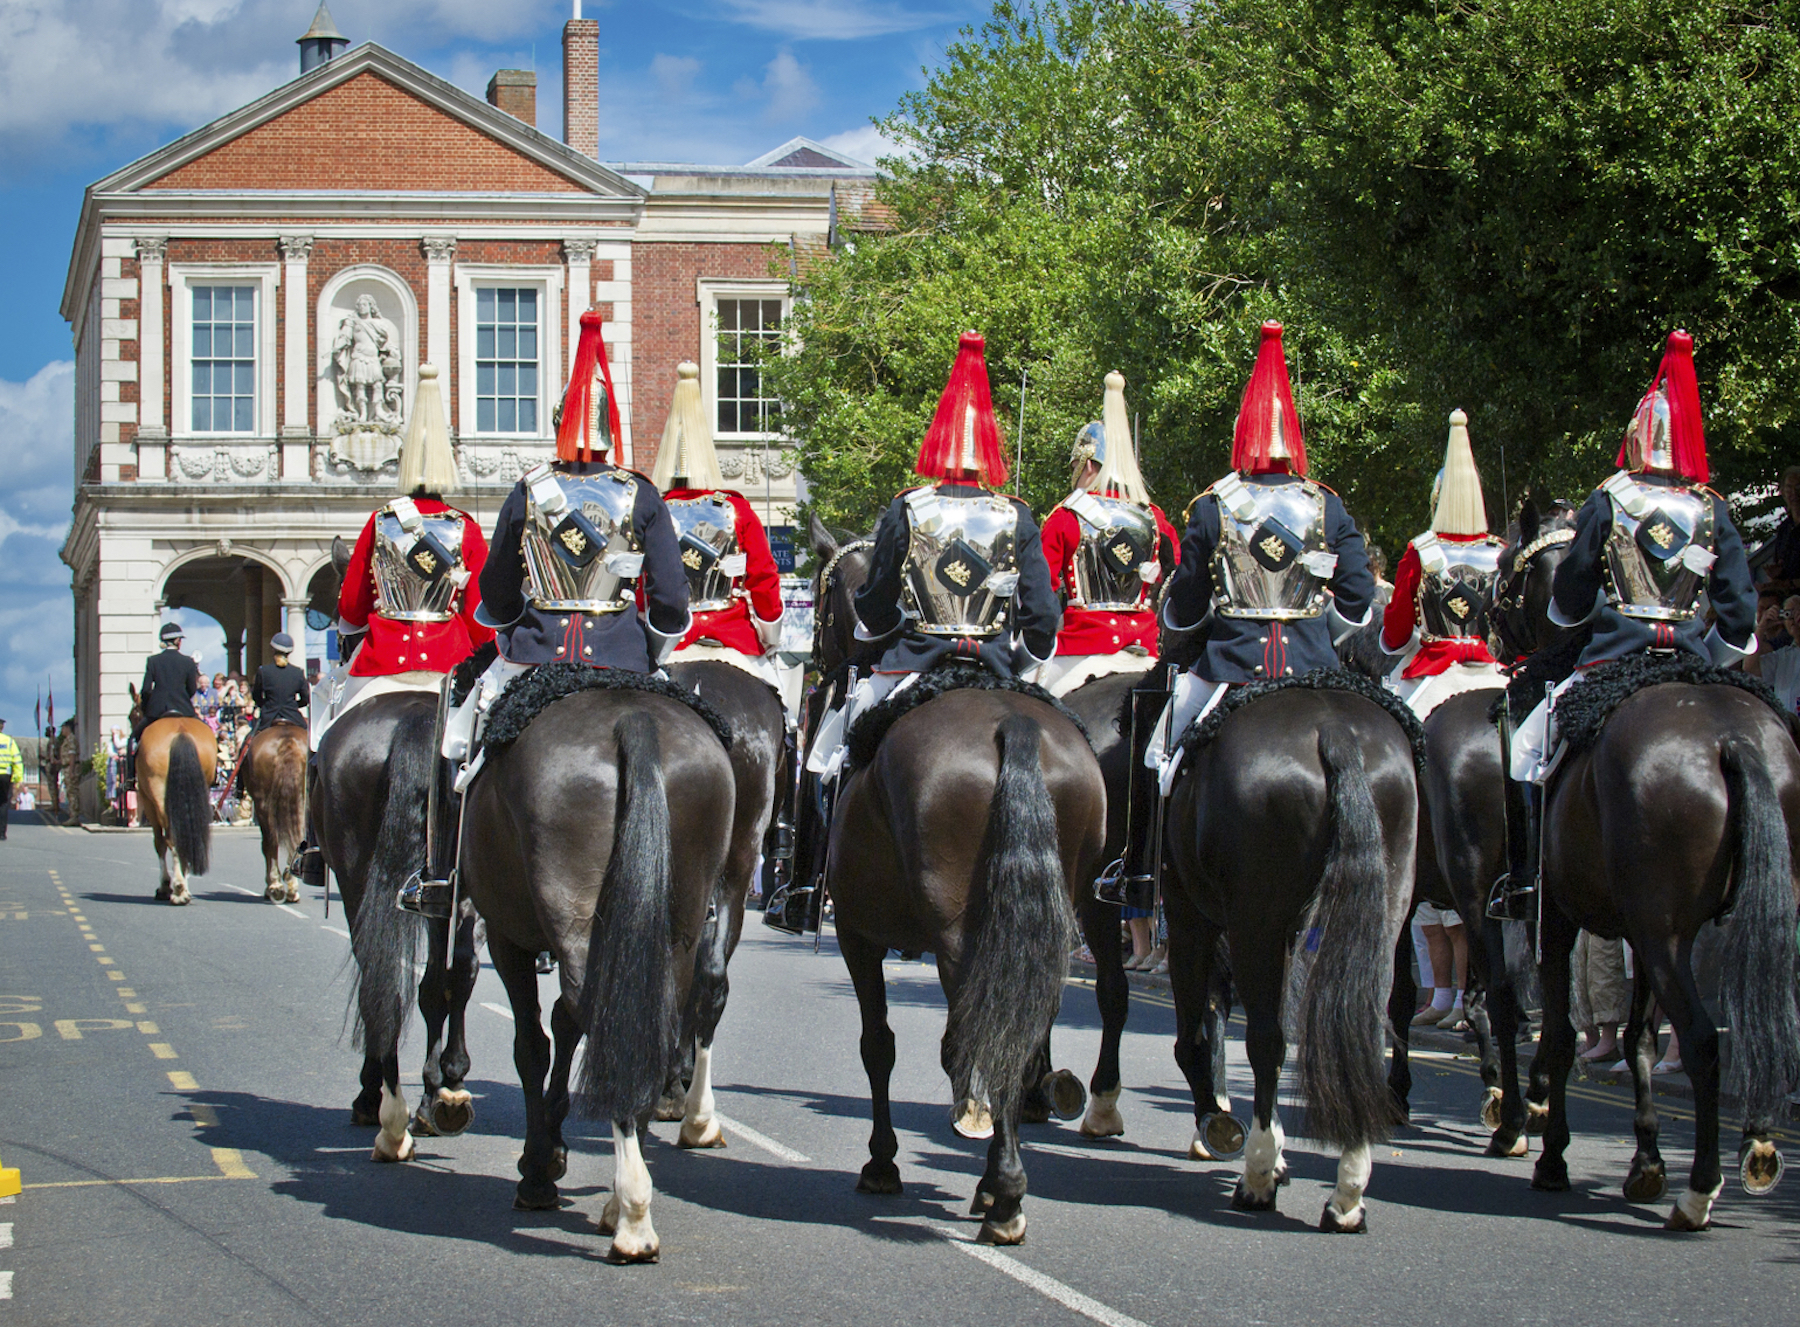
point(1303, 803)
point(601, 833)
point(176, 760)
point(909, 867)
point(1684, 809)
point(759, 763)
point(368, 812)
point(272, 772)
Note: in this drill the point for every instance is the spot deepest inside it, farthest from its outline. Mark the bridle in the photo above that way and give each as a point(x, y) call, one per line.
point(824, 615)
point(1509, 590)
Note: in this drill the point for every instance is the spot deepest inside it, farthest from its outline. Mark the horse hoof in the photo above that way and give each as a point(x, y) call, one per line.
point(180, 898)
point(363, 1117)
point(531, 1197)
point(1002, 1232)
point(388, 1150)
point(1550, 1176)
point(671, 1108)
point(1502, 1146)
point(972, 1119)
point(1244, 1199)
point(1222, 1136)
point(452, 1112)
point(879, 1177)
point(1103, 1119)
point(1490, 1110)
point(608, 1220)
point(1680, 1221)
point(162, 892)
point(1646, 1183)
point(1068, 1098)
point(1034, 1109)
point(293, 892)
point(696, 1133)
point(1537, 1117)
point(982, 1204)
point(1356, 1223)
point(624, 1255)
point(421, 1126)
point(1759, 1166)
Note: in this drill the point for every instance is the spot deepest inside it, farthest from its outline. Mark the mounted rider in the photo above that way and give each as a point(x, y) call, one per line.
point(1109, 547)
point(1649, 542)
point(1437, 620)
point(1273, 571)
point(171, 680)
point(957, 571)
point(279, 690)
point(576, 543)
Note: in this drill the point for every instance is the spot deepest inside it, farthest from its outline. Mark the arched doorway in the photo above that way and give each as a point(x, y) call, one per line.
point(242, 595)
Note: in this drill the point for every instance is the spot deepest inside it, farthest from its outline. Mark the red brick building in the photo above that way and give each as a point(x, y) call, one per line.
point(251, 305)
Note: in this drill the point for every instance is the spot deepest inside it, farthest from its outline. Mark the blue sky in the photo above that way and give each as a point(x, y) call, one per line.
point(89, 85)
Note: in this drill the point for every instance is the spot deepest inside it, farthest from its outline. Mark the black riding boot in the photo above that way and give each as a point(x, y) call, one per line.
point(429, 892)
point(1514, 895)
point(308, 866)
point(794, 905)
point(1130, 880)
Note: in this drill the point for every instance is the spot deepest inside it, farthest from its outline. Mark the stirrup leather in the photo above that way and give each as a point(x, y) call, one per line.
point(428, 898)
point(1508, 902)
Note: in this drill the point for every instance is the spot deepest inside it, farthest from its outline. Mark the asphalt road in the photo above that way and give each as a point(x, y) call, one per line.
point(175, 1083)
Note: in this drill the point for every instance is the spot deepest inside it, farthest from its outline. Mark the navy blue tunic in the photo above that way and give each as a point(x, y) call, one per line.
point(1248, 650)
point(531, 635)
point(170, 681)
point(1035, 615)
point(279, 692)
point(1578, 589)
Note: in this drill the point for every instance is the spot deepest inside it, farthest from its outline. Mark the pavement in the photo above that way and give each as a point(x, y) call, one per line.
point(175, 1084)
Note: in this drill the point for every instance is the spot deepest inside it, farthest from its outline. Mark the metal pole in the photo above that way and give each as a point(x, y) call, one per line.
point(1019, 440)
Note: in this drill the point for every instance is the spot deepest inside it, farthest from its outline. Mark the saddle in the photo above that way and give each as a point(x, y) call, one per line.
point(1582, 711)
point(873, 724)
point(1203, 730)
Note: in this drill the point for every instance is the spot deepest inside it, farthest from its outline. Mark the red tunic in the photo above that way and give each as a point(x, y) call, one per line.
point(1401, 618)
point(404, 647)
point(761, 582)
point(1094, 631)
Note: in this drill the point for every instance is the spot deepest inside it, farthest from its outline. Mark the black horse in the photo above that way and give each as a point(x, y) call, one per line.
point(600, 832)
point(368, 810)
point(759, 758)
point(1301, 805)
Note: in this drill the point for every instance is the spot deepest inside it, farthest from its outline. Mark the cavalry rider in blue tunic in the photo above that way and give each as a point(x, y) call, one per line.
point(957, 571)
point(576, 542)
point(1648, 542)
point(1273, 571)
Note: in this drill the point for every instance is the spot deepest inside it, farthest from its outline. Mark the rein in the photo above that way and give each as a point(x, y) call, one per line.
point(823, 616)
point(1509, 592)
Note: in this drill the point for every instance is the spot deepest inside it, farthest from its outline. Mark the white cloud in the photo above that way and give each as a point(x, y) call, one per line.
point(787, 86)
point(675, 74)
point(867, 144)
point(36, 451)
point(832, 20)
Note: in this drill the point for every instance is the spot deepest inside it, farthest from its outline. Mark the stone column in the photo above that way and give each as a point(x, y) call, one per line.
point(152, 434)
point(253, 616)
point(296, 433)
point(296, 627)
point(440, 253)
point(271, 600)
point(579, 255)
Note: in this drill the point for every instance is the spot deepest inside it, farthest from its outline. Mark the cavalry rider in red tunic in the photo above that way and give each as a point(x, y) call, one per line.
point(1437, 620)
point(1648, 543)
point(734, 587)
point(1107, 546)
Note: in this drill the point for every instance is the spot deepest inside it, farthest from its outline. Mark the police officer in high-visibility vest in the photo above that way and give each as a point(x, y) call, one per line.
point(12, 770)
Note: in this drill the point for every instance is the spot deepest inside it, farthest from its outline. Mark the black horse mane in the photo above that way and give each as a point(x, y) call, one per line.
point(464, 676)
point(1540, 670)
point(527, 697)
point(872, 724)
point(1582, 711)
point(1202, 731)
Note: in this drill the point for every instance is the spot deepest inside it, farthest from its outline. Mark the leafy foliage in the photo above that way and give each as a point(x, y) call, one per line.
point(1498, 205)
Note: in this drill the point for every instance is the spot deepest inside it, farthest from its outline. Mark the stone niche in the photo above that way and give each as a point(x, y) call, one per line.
point(368, 369)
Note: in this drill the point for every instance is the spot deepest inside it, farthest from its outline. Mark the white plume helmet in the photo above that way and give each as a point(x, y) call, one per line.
point(427, 464)
point(687, 445)
point(1119, 473)
point(1459, 508)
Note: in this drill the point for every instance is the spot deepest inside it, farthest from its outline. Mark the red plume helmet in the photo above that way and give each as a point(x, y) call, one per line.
point(964, 438)
point(1666, 432)
point(581, 415)
point(1267, 436)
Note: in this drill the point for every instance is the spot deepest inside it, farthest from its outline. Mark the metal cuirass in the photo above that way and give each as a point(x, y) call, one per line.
point(961, 564)
point(582, 551)
point(1117, 537)
point(1659, 549)
point(1272, 562)
point(707, 529)
point(417, 563)
point(1456, 582)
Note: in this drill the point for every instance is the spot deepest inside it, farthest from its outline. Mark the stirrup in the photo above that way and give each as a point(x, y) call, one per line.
point(1109, 885)
point(778, 913)
point(428, 898)
point(308, 866)
point(781, 847)
point(1508, 902)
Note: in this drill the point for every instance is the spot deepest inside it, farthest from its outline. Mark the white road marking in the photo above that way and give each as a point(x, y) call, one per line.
point(1047, 1286)
point(505, 1013)
point(334, 930)
point(5, 1285)
point(6, 1234)
point(262, 893)
point(763, 1141)
point(291, 910)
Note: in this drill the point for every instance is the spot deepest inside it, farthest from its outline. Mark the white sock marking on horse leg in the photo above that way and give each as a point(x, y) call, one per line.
point(1262, 1153)
point(1354, 1167)
point(633, 1237)
point(700, 1125)
point(393, 1143)
point(1696, 1205)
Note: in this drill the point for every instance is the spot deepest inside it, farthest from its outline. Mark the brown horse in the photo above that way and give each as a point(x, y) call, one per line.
point(176, 760)
point(272, 772)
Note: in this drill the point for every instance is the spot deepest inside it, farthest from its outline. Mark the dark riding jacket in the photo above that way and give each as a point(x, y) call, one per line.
point(1578, 591)
point(170, 681)
point(530, 635)
point(279, 691)
point(1035, 613)
point(1248, 649)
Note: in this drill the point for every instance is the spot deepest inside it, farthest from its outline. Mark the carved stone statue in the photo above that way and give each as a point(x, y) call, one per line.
point(368, 367)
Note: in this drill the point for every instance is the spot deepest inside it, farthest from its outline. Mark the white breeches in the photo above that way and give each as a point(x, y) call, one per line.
point(1193, 700)
point(826, 758)
point(1064, 673)
point(462, 730)
point(338, 694)
point(787, 682)
point(1536, 746)
point(1425, 694)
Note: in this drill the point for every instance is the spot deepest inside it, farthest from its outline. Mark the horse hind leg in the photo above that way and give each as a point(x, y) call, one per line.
point(628, 1209)
point(393, 1142)
point(164, 886)
point(863, 959)
point(1004, 1222)
point(1345, 1212)
point(1647, 1179)
point(1699, 1035)
point(700, 1121)
point(1112, 993)
point(699, 1118)
point(1265, 1170)
point(178, 885)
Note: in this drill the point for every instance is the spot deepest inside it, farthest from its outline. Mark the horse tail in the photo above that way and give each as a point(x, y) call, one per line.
point(282, 806)
point(1757, 968)
point(629, 1012)
point(187, 807)
point(384, 939)
point(1341, 1050)
point(1023, 929)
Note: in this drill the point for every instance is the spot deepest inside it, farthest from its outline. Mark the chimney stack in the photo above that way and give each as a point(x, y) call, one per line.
point(581, 84)
point(515, 92)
